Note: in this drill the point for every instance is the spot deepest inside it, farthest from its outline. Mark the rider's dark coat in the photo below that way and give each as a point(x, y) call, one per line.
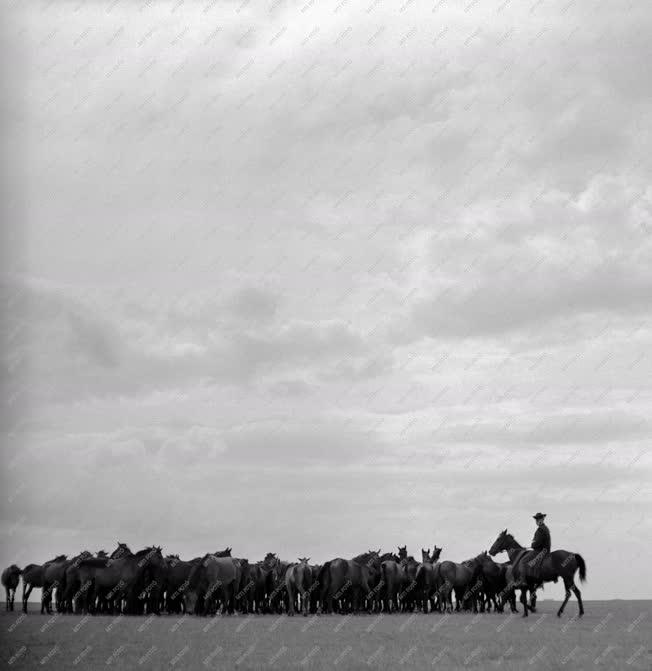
point(541, 540)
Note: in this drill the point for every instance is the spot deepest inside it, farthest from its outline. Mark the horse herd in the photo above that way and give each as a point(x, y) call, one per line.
point(146, 582)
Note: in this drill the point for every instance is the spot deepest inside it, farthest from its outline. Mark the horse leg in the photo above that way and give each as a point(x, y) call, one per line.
point(291, 596)
point(305, 602)
point(578, 594)
point(26, 595)
point(7, 599)
point(567, 585)
point(524, 601)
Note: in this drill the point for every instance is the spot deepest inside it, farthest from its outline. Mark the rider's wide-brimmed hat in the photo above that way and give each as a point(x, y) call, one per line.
point(539, 516)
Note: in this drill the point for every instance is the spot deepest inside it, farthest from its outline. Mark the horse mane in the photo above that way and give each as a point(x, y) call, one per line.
point(389, 556)
point(59, 558)
point(122, 550)
point(364, 557)
point(152, 549)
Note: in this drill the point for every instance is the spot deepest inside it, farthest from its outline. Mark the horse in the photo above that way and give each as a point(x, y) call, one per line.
point(340, 578)
point(392, 576)
point(493, 582)
point(33, 577)
point(314, 588)
point(70, 584)
point(461, 578)
point(175, 582)
point(54, 573)
point(244, 587)
point(207, 577)
point(557, 564)
point(120, 578)
point(407, 596)
point(258, 578)
point(427, 577)
point(298, 580)
point(146, 590)
point(10, 579)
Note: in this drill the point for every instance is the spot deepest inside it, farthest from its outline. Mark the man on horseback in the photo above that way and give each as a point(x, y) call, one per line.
point(540, 543)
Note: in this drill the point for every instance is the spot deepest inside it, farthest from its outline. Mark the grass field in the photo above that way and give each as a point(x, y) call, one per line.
point(612, 635)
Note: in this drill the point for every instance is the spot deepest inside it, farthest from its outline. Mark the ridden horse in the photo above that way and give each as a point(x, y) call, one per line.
point(556, 564)
point(10, 579)
point(207, 577)
point(298, 580)
point(33, 577)
point(340, 578)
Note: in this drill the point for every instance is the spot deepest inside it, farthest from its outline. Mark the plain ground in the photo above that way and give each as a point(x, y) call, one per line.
point(612, 635)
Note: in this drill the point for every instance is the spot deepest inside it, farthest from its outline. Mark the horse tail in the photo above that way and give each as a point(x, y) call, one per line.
point(383, 575)
point(582, 566)
point(420, 576)
point(323, 577)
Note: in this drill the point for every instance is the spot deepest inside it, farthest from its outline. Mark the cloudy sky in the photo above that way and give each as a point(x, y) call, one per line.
point(315, 277)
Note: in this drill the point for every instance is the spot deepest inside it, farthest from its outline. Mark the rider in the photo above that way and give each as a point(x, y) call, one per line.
point(540, 543)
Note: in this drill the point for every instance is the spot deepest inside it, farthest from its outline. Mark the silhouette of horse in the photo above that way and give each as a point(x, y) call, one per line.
point(120, 578)
point(556, 564)
point(175, 582)
point(460, 577)
point(70, 585)
point(298, 580)
point(427, 577)
point(10, 579)
point(343, 579)
point(33, 576)
point(208, 577)
point(53, 577)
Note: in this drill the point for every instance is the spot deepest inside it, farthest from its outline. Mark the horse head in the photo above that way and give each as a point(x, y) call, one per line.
point(303, 560)
point(123, 550)
point(425, 555)
point(501, 543)
point(436, 554)
point(402, 552)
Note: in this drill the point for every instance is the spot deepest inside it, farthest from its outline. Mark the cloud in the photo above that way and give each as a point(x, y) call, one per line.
point(545, 263)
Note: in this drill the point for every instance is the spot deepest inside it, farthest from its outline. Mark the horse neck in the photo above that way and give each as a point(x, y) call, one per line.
point(514, 549)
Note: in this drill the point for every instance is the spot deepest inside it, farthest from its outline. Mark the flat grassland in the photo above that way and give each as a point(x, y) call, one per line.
point(612, 635)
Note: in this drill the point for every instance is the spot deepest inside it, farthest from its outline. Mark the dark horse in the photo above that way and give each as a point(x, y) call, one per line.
point(557, 564)
point(344, 581)
point(10, 580)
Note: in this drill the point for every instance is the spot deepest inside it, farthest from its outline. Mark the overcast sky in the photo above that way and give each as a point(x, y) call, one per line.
point(318, 277)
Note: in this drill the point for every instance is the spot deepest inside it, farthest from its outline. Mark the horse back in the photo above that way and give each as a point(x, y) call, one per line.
point(222, 570)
